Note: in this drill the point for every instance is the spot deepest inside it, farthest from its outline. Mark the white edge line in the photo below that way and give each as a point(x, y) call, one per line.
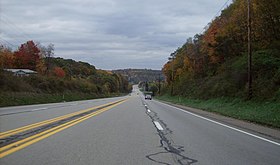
point(159, 127)
point(224, 125)
point(37, 109)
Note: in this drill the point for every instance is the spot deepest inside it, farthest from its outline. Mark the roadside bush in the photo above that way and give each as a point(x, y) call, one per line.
point(9, 82)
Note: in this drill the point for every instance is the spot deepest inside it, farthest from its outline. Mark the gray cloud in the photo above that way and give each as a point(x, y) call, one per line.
point(109, 34)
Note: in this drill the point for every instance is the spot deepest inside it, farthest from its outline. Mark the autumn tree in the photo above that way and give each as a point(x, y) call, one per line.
point(217, 56)
point(58, 72)
point(28, 57)
point(266, 23)
point(6, 57)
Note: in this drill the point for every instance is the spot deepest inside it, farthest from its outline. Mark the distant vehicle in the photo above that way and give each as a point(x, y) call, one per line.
point(148, 97)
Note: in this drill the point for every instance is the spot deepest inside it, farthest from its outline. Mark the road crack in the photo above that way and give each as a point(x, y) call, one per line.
point(166, 142)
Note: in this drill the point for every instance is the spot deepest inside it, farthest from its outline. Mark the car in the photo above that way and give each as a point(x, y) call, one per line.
point(148, 97)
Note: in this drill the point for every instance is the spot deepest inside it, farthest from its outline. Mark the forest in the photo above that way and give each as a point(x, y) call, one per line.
point(57, 79)
point(136, 76)
point(213, 64)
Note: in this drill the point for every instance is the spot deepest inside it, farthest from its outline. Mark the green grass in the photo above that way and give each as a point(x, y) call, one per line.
point(27, 98)
point(265, 113)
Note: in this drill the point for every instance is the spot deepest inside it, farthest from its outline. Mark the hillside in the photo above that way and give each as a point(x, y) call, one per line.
point(56, 79)
point(210, 71)
point(134, 76)
point(214, 64)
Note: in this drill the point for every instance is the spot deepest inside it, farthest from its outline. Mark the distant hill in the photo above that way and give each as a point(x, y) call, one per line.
point(135, 76)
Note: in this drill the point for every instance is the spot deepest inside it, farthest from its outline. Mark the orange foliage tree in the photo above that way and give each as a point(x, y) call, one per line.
point(59, 72)
point(6, 57)
point(27, 56)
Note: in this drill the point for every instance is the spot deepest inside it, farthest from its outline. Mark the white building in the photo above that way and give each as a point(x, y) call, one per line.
point(21, 72)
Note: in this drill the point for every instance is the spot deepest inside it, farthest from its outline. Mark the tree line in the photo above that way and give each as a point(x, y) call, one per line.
point(136, 76)
point(55, 75)
point(214, 63)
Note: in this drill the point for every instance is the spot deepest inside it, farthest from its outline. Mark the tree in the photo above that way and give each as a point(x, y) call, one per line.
point(266, 23)
point(6, 57)
point(59, 72)
point(28, 56)
point(211, 59)
point(153, 88)
point(47, 54)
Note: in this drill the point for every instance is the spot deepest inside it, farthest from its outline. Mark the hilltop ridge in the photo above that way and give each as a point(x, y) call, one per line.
point(134, 76)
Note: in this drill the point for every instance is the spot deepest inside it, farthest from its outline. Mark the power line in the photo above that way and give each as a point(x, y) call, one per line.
point(12, 38)
point(218, 12)
point(7, 42)
point(19, 30)
point(221, 8)
point(17, 33)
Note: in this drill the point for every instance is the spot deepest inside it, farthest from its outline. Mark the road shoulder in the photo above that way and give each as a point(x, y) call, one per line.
point(271, 133)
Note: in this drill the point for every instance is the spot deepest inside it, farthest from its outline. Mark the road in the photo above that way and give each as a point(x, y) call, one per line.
point(132, 131)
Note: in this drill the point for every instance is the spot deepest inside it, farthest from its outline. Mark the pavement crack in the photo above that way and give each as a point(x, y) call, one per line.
point(166, 142)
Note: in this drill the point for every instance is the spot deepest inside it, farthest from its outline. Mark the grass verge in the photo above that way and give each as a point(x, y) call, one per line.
point(264, 113)
point(27, 98)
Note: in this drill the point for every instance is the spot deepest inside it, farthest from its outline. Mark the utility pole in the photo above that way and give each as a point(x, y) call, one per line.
point(250, 90)
point(172, 73)
point(159, 84)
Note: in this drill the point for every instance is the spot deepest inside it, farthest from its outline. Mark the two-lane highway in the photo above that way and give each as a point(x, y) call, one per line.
point(127, 130)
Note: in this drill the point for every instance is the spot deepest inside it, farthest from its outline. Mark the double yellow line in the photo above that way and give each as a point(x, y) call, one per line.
point(13, 147)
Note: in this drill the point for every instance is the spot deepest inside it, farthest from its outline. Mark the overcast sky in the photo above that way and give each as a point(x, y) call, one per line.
point(110, 34)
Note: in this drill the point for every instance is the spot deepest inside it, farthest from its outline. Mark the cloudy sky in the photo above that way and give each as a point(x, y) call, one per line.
point(110, 34)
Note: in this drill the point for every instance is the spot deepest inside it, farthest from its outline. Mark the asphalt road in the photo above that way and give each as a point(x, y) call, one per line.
point(136, 131)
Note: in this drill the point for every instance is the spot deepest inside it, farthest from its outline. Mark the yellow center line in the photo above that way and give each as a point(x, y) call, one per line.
point(31, 126)
point(11, 148)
